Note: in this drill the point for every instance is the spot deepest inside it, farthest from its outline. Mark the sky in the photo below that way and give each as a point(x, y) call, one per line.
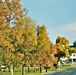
point(59, 17)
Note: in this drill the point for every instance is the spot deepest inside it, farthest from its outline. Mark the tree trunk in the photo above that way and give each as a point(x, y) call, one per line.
point(40, 68)
point(34, 70)
point(28, 69)
point(11, 69)
point(23, 70)
point(46, 68)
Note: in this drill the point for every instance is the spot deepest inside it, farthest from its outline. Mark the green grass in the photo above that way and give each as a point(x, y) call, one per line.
point(67, 66)
point(4, 73)
point(17, 71)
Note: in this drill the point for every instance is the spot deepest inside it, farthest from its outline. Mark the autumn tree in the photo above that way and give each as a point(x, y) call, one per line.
point(11, 42)
point(11, 23)
point(50, 55)
point(43, 44)
point(11, 14)
point(50, 58)
point(17, 33)
point(62, 45)
point(30, 40)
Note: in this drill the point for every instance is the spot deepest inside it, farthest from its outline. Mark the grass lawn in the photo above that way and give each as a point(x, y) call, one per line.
point(17, 72)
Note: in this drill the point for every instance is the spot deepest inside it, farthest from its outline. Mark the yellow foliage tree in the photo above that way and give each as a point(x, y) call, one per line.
point(62, 45)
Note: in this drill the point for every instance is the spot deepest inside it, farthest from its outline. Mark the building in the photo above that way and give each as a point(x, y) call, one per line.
point(72, 58)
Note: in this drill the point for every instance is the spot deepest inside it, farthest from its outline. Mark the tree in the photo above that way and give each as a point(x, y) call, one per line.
point(50, 56)
point(11, 22)
point(30, 40)
point(72, 48)
point(74, 44)
point(43, 44)
point(11, 47)
point(11, 14)
point(62, 45)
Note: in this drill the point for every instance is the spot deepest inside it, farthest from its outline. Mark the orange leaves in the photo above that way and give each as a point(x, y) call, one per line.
point(11, 12)
point(4, 38)
point(5, 11)
point(62, 45)
point(62, 40)
point(42, 39)
point(50, 55)
point(20, 55)
point(26, 44)
point(11, 29)
point(30, 34)
point(1, 19)
point(17, 35)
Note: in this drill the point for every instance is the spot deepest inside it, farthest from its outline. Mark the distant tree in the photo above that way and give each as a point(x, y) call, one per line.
point(72, 48)
point(74, 44)
point(62, 45)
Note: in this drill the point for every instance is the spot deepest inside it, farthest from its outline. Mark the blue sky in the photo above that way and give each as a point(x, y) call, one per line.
point(59, 17)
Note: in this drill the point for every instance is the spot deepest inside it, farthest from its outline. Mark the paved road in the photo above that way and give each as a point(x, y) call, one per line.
point(70, 71)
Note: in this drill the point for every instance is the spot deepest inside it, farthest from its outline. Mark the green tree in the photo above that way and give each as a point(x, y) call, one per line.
point(72, 48)
point(74, 44)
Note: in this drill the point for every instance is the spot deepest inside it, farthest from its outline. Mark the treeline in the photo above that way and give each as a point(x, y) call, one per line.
point(23, 42)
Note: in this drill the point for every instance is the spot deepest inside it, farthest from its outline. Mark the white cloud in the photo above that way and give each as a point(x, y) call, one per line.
point(71, 27)
point(67, 30)
point(53, 0)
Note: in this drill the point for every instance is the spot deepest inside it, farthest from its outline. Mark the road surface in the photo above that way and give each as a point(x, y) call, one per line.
point(70, 71)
